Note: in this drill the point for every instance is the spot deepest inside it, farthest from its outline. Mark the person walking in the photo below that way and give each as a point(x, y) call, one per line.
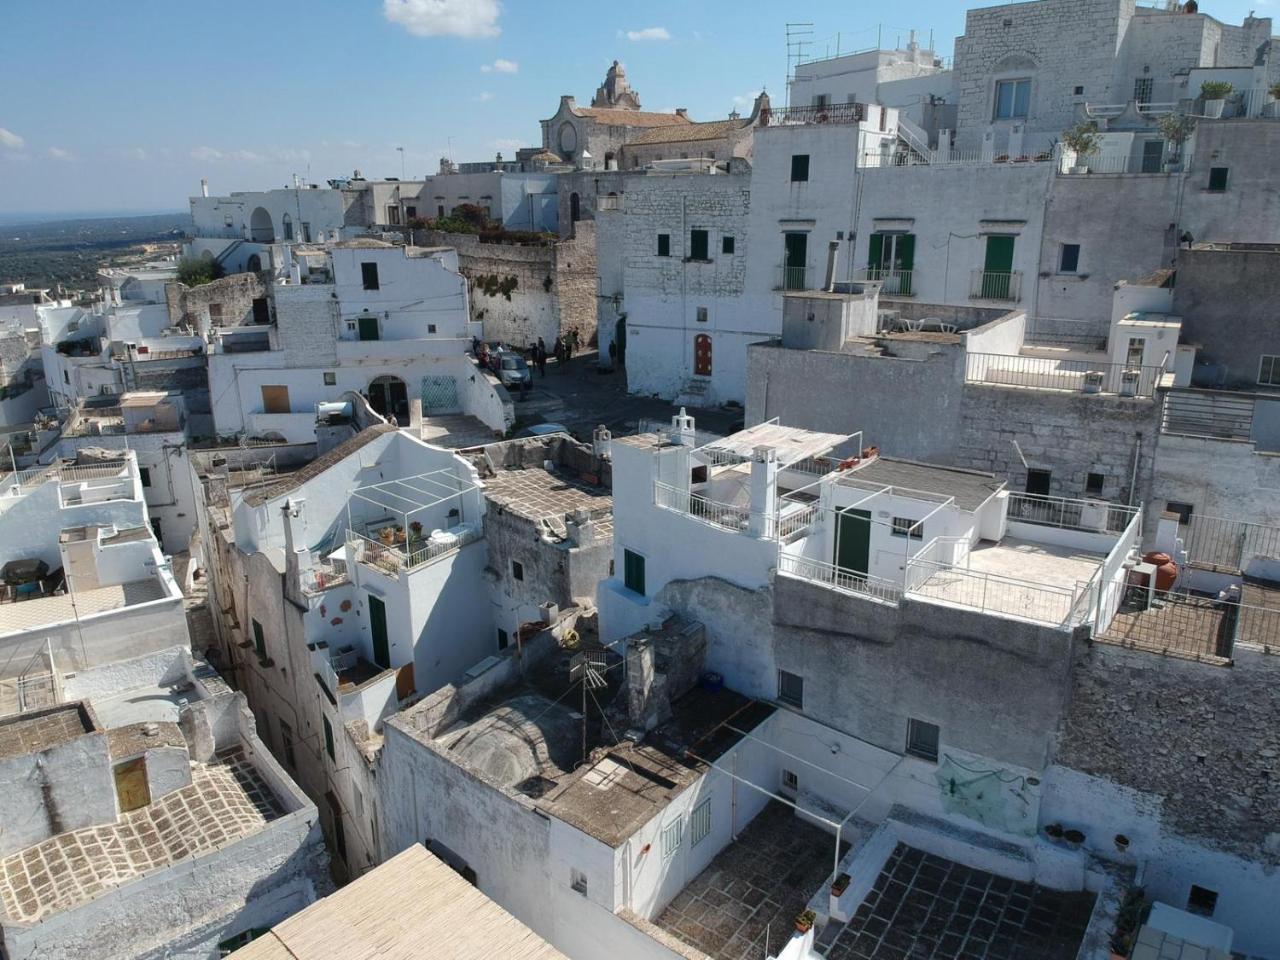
point(559, 351)
point(540, 356)
point(613, 354)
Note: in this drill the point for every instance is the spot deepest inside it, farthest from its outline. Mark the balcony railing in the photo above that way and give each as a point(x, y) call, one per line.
point(733, 517)
point(992, 593)
point(325, 574)
point(1075, 376)
point(839, 578)
point(893, 283)
point(827, 113)
point(396, 558)
point(1211, 413)
point(1093, 516)
point(996, 285)
point(793, 278)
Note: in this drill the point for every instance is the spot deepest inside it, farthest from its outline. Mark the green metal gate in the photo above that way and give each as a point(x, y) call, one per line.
point(440, 395)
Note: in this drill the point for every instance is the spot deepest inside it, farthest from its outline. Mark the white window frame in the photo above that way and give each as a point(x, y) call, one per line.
point(906, 528)
point(1013, 103)
point(1269, 370)
point(791, 702)
point(672, 838)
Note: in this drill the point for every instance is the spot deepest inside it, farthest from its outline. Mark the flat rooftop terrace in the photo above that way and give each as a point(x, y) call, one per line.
point(225, 802)
point(924, 906)
point(42, 611)
point(33, 732)
point(538, 494)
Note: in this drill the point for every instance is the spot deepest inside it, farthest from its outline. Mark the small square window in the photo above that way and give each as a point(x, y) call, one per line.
point(799, 168)
point(330, 379)
point(699, 245)
point(1069, 258)
point(1078, 91)
point(726, 244)
point(664, 244)
point(577, 881)
point(517, 570)
point(702, 315)
point(1202, 900)
point(1039, 482)
point(1218, 179)
point(922, 740)
point(1013, 99)
point(790, 781)
point(1183, 510)
point(906, 527)
point(1093, 485)
point(1269, 370)
point(431, 328)
point(791, 688)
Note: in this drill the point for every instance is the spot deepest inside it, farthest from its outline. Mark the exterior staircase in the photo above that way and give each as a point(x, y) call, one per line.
point(694, 393)
point(914, 139)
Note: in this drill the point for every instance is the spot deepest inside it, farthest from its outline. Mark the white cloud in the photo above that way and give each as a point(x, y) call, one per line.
point(58, 153)
point(648, 33)
point(11, 140)
point(746, 99)
point(500, 66)
point(483, 97)
point(508, 144)
point(444, 18)
point(136, 153)
point(274, 155)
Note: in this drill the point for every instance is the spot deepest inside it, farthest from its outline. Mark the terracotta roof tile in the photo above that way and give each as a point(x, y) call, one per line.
point(711, 130)
point(632, 118)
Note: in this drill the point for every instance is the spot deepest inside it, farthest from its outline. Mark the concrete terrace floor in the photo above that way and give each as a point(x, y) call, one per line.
point(758, 884)
point(924, 907)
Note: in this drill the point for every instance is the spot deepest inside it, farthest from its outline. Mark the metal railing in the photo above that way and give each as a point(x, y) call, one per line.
point(324, 575)
point(839, 578)
point(996, 285)
point(992, 593)
point(793, 278)
point(792, 524)
point(894, 283)
point(826, 113)
point(1093, 516)
point(1190, 626)
point(1075, 376)
point(878, 159)
point(727, 516)
point(1212, 414)
point(1229, 544)
point(396, 558)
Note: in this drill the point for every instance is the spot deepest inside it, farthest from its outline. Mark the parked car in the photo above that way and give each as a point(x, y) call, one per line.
point(542, 430)
point(512, 370)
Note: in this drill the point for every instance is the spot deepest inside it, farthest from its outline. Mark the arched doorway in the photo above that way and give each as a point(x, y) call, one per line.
point(702, 355)
point(255, 263)
point(575, 208)
point(389, 396)
point(261, 229)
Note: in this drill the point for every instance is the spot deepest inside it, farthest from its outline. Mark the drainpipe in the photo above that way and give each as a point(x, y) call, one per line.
point(1133, 477)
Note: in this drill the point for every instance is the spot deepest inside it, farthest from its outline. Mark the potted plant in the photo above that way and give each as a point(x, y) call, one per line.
point(387, 536)
point(1176, 128)
point(1073, 838)
point(1082, 140)
point(839, 885)
point(1214, 93)
point(1129, 919)
point(804, 922)
point(1122, 843)
point(415, 529)
point(1272, 107)
point(1053, 831)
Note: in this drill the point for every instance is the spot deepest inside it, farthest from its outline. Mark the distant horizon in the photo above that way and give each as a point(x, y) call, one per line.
point(58, 216)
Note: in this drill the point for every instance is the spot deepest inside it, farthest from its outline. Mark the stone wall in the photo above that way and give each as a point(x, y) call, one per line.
point(1069, 434)
point(234, 295)
point(1200, 736)
point(522, 292)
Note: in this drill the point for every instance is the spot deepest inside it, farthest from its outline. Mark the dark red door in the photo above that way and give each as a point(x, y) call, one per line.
point(702, 355)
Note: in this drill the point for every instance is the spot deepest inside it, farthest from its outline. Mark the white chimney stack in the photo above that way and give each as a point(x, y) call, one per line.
point(204, 186)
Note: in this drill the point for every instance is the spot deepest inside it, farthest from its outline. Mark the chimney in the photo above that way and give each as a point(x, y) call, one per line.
point(601, 441)
point(833, 257)
point(683, 428)
point(764, 489)
point(297, 558)
point(581, 528)
point(641, 671)
point(204, 186)
point(415, 416)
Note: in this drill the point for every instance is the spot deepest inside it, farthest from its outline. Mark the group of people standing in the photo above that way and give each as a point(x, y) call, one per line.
point(563, 350)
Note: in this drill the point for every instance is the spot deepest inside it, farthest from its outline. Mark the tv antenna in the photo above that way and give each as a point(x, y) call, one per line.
point(799, 36)
point(587, 667)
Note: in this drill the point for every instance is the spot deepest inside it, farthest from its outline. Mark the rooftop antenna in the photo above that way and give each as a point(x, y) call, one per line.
point(799, 36)
point(587, 668)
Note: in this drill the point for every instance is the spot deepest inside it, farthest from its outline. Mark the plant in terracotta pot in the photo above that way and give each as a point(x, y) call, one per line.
point(1133, 912)
point(804, 922)
point(416, 529)
point(1214, 93)
point(839, 885)
point(387, 536)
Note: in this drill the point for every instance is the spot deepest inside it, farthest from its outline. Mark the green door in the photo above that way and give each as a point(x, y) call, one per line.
point(997, 269)
point(796, 259)
point(853, 541)
point(368, 328)
point(378, 624)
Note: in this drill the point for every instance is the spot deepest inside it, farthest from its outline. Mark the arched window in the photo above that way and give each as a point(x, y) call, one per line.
point(287, 226)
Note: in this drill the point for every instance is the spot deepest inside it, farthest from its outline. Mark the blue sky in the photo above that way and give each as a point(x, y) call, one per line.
point(124, 105)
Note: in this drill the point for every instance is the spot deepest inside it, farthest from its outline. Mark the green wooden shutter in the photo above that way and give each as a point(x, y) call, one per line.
point(875, 250)
point(999, 254)
point(906, 252)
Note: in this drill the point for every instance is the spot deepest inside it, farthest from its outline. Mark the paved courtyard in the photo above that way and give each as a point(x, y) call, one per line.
point(225, 801)
point(758, 884)
point(923, 907)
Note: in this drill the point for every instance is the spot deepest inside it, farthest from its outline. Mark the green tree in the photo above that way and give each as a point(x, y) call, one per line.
point(194, 271)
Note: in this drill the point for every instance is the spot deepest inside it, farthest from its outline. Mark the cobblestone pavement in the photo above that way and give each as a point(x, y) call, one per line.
point(923, 907)
point(225, 801)
point(759, 883)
